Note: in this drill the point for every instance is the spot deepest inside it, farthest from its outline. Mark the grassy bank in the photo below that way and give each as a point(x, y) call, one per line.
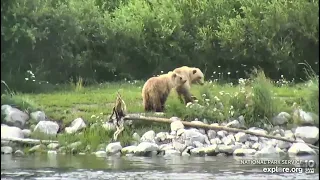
point(258, 99)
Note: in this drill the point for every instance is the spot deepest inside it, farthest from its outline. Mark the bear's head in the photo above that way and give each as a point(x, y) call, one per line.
point(177, 79)
point(197, 76)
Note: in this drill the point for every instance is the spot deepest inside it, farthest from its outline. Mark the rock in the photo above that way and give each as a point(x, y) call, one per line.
point(211, 134)
point(172, 152)
point(19, 153)
point(210, 150)
point(75, 126)
point(298, 149)
point(145, 147)
point(281, 118)
point(100, 154)
point(289, 134)
point(202, 131)
point(279, 131)
point(178, 146)
point(47, 127)
point(26, 133)
point(234, 124)
point(11, 132)
point(37, 148)
point(53, 146)
point(113, 148)
point(175, 119)
point(253, 138)
point(302, 117)
point(244, 152)
point(191, 135)
point(136, 137)
point(228, 149)
point(52, 152)
point(197, 152)
point(74, 145)
point(222, 134)
point(241, 120)
point(268, 152)
point(283, 144)
point(180, 132)
point(256, 146)
point(315, 118)
point(62, 149)
point(281, 152)
point(185, 154)
point(241, 137)
point(215, 141)
point(221, 155)
point(309, 134)
point(38, 116)
point(197, 144)
point(173, 133)
point(6, 150)
point(229, 140)
point(14, 116)
point(176, 125)
point(161, 136)
point(128, 149)
point(248, 144)
point(149, 136)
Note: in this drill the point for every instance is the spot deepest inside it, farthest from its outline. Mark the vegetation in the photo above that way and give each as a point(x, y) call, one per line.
point(109, 41)
point(69, 58)
point(258, 99)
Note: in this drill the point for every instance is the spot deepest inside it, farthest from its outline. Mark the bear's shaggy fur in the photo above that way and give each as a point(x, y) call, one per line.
point(193, 75)
point(156, 90)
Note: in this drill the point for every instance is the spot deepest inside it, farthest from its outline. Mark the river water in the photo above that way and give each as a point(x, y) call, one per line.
point(52, 167)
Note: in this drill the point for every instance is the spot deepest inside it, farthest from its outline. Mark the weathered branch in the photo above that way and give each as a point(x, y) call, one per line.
point(27, 141)
point(213, 127)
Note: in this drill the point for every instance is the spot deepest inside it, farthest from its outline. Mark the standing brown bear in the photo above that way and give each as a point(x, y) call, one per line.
point(193, 75)
point(156, 90)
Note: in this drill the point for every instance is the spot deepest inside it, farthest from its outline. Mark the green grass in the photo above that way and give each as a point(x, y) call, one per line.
point(99, 100)
point(80, 101)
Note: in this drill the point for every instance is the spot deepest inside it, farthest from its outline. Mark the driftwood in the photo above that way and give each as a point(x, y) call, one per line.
point(27, 141)
point(120, 110)
point(206, 126)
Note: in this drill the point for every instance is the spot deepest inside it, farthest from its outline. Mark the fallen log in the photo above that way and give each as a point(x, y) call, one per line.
point(213, 127)
point(27, 141)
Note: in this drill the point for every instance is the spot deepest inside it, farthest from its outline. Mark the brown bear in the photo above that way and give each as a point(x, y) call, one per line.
point(193, 75)
point(157, 89)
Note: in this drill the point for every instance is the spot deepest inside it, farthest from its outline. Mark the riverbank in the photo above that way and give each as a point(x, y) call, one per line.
point(76, 119)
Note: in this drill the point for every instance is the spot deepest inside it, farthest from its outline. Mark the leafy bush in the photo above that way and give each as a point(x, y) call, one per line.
point(106, 41)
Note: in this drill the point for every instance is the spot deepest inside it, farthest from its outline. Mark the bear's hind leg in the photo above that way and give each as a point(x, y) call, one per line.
point(157, 106)
point(163, 100)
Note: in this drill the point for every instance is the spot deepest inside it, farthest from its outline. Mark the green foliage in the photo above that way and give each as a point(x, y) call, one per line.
point(105, 41)
point(263, 105)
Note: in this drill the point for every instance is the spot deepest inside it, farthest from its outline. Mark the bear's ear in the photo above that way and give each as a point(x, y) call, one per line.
point(194, 71)
point(174, 75)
